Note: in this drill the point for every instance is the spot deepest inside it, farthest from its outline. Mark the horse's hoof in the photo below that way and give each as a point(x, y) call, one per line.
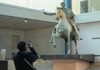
point(68, 53)
point(50, 41)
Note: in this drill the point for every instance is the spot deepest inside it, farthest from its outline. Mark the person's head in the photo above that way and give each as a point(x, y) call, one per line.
point(62, 4)
point(22, 46)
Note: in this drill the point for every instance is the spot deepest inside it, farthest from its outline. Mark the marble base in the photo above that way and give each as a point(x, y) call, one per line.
point(84, 57)
point(59, 64)
point(70, 62)
point(3, 65)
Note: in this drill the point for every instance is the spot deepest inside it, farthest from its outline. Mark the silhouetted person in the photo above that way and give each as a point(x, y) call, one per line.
point(23, 55)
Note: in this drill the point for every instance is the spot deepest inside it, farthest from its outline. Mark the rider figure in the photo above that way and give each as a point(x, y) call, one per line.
point(69, 15)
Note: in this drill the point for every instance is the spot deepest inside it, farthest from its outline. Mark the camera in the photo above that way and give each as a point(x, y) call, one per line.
point(28, 43)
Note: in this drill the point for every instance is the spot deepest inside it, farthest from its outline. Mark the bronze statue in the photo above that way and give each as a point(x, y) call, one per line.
point(70, 16)
point(72, 32)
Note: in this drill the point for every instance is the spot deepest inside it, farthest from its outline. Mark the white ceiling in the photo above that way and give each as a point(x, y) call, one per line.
point(15, 23)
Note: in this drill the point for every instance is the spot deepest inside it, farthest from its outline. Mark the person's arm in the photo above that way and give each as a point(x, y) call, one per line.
point(47, 13)
point(33, 51)
point(31, 56)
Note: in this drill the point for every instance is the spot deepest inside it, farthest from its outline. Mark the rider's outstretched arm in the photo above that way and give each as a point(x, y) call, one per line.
point(47, 13)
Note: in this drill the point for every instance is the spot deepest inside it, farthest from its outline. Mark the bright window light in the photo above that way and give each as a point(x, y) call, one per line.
point(47, 5)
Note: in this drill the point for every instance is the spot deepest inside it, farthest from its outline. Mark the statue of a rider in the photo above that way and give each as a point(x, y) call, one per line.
point(70, 16)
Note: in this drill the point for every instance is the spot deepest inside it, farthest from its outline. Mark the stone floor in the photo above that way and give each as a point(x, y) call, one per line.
point(39, 64)
point(48, 65)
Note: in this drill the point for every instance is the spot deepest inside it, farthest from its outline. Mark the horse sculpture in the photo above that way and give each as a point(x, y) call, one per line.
point(64, 30)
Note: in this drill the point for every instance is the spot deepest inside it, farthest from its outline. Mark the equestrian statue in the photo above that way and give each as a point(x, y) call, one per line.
point(66, 28)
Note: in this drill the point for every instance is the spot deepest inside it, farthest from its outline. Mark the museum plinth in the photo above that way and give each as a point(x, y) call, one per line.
point(69, 62)
point(3, 65)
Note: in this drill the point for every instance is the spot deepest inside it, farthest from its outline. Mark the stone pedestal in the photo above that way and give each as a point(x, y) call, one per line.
point(3, 65)
point(60, 64)
point(70, 62)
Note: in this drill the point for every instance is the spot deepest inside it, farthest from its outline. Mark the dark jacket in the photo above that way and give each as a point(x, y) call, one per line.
point(19, 61)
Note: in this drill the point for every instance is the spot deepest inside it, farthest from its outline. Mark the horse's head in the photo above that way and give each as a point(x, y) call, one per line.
point(59, 13)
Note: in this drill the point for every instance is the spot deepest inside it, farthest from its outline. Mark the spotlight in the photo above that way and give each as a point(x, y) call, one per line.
point(25, 20)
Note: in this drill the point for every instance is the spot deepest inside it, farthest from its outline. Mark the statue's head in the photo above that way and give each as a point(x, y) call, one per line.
point(62, 4)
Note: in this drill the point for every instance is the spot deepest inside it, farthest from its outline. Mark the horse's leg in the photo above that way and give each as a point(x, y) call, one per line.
point(53, 32)
point(54, 40)
point(66, 48)
point(76, 49)
point(51, 40)
point(75, 40)
point(68, 44)
point(71, 47)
